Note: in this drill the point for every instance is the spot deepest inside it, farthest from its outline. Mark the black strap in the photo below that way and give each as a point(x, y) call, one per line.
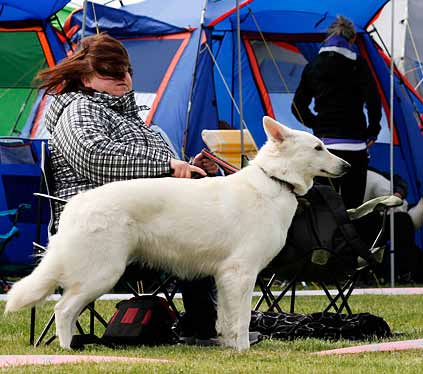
point(347, 228)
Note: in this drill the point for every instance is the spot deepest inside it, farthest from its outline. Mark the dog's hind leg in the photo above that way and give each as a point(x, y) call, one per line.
point(76, 298)
point(235, 284)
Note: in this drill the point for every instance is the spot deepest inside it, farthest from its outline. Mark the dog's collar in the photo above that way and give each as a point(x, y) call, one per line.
point(290, 186)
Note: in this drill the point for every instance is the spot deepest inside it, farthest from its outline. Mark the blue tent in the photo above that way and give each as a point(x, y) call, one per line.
point(185, 58)
point(186, 67)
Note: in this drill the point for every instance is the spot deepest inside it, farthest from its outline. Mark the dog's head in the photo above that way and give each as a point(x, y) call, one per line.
point(296, 157)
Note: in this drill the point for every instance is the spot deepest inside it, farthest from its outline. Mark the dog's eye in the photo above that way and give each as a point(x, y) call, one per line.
point(318, 148)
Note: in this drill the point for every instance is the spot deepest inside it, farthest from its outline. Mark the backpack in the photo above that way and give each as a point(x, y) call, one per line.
point(322, 243)
point(141, 320)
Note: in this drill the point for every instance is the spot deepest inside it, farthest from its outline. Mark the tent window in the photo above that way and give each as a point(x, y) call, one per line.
point(280, 70)
point(21, 57)
point(285, 76)
point(147, 75)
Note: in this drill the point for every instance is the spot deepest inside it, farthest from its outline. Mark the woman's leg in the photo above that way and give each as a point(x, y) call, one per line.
point(353, 184)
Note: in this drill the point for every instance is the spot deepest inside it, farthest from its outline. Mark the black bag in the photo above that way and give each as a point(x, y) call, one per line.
point(319, 325)
point(322, 243)
point(144, 320)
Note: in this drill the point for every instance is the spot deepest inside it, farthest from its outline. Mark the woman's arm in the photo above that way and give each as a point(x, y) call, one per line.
point(84, 142)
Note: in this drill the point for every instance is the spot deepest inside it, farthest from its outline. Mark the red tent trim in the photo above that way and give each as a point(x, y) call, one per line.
point(162, 88)
point(258, 78)
point(385, 103)
point(228, 13)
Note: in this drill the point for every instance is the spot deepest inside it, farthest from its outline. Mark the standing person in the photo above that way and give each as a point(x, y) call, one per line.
point(340, 82)
point(97, 137)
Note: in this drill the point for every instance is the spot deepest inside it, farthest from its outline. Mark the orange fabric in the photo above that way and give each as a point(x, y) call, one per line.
point(259, 80)
point(228, 13)
point(168, 74)
point(385, 104)
point(46, 48)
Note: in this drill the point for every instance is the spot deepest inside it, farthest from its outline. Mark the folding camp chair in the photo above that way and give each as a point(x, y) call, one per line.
point(165, 284)
point(321, 266)
point(317, 264)
point(9, 271)
point(20, 177)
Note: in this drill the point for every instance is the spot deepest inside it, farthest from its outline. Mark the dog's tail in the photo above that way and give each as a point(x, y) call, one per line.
point(37, 286)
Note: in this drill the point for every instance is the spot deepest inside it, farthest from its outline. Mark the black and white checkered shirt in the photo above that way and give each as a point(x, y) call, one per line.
point(99, 138)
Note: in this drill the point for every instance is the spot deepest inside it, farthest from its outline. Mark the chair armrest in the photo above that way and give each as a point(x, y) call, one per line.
point(384, 202)
point(58, 199)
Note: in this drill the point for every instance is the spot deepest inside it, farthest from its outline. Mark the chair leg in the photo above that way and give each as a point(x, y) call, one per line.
point(32, 327)
point(169, 296)
point(267, 294)
point(91, 318)
point(344, 298)
point(350, 284)
point(332, 300)
point(275, 303)
point(79, 328)
point(45, 330)
point(95, 314)
point(292, 308)
point(344, 293)
point(50, 340)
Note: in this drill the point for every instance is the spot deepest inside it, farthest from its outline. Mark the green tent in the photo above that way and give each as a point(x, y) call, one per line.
point(23, 52)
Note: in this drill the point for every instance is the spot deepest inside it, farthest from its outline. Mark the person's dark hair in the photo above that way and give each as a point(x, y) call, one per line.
point(98, 54)
point(342, 26)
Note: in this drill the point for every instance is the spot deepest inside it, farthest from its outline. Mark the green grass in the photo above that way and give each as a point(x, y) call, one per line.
point(403, 314)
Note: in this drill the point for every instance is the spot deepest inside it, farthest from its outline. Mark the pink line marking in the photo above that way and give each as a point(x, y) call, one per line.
point(381, 347)
point(19, 360)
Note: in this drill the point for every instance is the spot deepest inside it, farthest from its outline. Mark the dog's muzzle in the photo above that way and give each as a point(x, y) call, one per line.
point(341, 169)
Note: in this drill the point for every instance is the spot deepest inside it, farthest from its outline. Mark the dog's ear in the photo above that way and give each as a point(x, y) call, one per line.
point(274, 130)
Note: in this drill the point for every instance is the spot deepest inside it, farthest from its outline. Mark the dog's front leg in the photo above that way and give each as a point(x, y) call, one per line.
point(235, 284)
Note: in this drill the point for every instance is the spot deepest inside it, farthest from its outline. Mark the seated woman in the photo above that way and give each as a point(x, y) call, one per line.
point(97, 137)
point(407, 219)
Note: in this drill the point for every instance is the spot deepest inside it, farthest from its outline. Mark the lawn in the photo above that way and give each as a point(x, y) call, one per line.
point(403, 314)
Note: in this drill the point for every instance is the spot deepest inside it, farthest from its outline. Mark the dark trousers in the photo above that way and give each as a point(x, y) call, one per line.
point(199, 297)
point(352, 185)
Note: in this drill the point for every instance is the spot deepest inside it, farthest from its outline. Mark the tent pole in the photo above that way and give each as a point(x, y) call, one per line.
point(241, 105)
point(84, 18)
point(391, 145)
point(194, 74)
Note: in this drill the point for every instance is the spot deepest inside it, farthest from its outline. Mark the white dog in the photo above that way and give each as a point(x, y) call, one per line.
point(227, 227)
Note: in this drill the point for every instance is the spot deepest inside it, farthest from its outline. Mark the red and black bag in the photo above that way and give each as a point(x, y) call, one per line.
point(141, 320)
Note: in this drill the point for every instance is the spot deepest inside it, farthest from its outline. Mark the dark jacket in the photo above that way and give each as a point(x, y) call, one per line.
point(340, 87)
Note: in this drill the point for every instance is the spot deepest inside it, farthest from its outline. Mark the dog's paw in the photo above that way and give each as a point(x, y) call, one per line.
point(238, 344)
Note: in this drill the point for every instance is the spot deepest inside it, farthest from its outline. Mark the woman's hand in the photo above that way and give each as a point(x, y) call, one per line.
point(206, 164)
point(182, 169)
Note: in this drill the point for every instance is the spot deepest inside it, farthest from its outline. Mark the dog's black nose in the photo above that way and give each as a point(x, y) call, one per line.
point(346, 167)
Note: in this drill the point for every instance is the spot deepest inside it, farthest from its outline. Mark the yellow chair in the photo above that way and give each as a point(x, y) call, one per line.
point(226, 144)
